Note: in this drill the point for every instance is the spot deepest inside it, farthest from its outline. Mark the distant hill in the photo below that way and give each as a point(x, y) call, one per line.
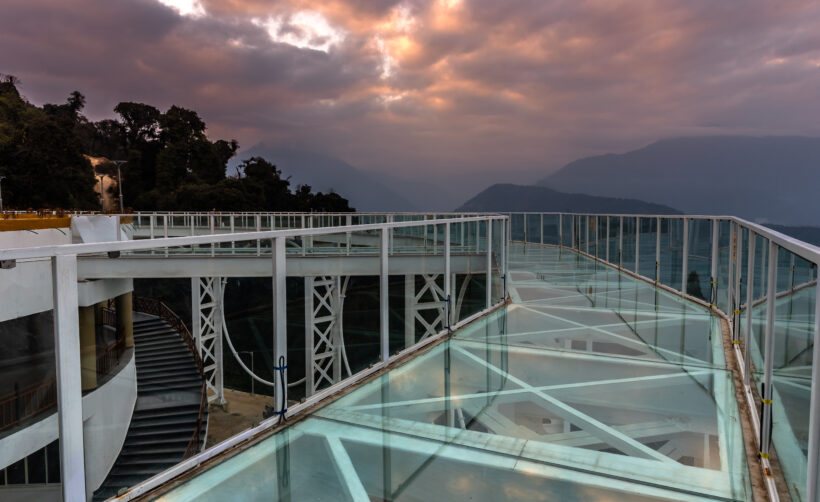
point(765, 179)
point(503, 197)
point(324, 173)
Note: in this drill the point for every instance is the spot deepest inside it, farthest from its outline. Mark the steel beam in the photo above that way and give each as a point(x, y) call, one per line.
point(280, 326)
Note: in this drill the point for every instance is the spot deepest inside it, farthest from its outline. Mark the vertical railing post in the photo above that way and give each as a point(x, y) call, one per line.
point(607, 238)
point(542, 228)
point(684, 273)
point(384, 332)
point(637, 244)
point(814, 408)
point(586, 236)
point(448, 311)
point(165, 230)
point(572, 233)
point(525, 227)
point(658, 249)
point(348, 222)
point(258, 242)
point(730, 272)
point(596, 229)
point(280, 325)
point(489, 263)
point(738, 254)
point(213, 247)
point(768, 357)
point(621, 243)
point(69, 385)
point(233, 229)
point(560, 230)
point(713, 280)
point(750, 296)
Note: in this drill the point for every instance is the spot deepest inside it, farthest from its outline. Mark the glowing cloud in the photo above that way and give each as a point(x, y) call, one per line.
point(188, 8)
point(303, 29)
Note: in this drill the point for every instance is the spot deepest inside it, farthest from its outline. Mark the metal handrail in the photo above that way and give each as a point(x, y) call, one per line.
point(33, 399)
point(147, 244)
point(158, 308)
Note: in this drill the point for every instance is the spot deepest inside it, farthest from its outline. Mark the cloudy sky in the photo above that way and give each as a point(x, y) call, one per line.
point(515, 88)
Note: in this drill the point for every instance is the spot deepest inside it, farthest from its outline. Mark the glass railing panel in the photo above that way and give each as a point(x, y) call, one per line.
point(517, 226)
point(793, 344)
point(725, 250)
point(629, 235)
point(647, 248)
point(533, 227)
point(699, 259)
point(550, 229)
point(497, 261)
point(671, 255)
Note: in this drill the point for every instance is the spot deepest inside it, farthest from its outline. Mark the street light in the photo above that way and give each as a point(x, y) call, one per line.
point(1, 193)
point(119, 182)
point(102, 200)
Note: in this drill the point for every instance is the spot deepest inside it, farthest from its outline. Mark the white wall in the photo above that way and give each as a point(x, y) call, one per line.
point(25, 289)
point(107, 414)
point(31, 238)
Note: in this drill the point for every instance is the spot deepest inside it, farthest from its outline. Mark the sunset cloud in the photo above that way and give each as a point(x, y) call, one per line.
point(456, 86)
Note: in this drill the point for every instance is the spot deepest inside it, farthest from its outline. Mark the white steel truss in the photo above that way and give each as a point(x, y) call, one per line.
point(207, 311)
point(324, 343)
point(429, 306)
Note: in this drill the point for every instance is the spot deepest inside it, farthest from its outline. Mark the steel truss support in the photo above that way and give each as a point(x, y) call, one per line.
point(324, 346)
point(430, 298)
point(207, 311)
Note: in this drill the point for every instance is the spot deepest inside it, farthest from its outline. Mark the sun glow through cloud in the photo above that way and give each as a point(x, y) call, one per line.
point(189, 8)
point(303, 29)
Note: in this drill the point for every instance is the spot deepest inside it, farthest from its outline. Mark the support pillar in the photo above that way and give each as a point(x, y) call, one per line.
point(280, 325)
point(69, 383)
point(88, 347)
point(125, 317)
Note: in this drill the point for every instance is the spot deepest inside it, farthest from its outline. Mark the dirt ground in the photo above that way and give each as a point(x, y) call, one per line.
point(241, 411)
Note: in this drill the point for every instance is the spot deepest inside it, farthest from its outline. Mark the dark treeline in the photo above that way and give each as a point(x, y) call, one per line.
point(170, 165)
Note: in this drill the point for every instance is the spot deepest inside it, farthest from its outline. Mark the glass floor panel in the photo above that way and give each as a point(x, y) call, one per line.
point(620, 395)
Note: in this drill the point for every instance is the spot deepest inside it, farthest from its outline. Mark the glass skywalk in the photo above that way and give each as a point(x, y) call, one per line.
point(590, 385)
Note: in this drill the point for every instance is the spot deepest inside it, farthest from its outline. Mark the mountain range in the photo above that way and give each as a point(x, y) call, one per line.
point(765, 179)
point(514, 198)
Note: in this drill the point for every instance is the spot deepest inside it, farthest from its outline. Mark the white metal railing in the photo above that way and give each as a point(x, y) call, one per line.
point(663, 245)
point(64, 259)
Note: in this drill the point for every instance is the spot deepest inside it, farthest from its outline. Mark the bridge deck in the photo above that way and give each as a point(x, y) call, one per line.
point(590, 385)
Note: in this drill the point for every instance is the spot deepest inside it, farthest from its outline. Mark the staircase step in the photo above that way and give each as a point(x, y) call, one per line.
point(189, 381)
point(153, 375)
point(172, 347)
point(149, 344)
point(142, 443)
point(173, 356)
point(167, 412)
point(158, 452)
point(157, 388)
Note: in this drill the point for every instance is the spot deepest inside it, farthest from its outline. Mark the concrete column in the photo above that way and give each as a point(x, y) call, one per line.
point(88, 347)
point(125, 317)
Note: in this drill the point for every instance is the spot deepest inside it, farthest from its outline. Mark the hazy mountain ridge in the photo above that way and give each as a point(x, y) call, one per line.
point(507, 197)
point(766, 179)
point(323, 173)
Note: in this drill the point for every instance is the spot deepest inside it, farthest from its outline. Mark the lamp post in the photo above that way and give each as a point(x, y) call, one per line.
point(102, 200)
point(1, 193)
point(119, 182)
